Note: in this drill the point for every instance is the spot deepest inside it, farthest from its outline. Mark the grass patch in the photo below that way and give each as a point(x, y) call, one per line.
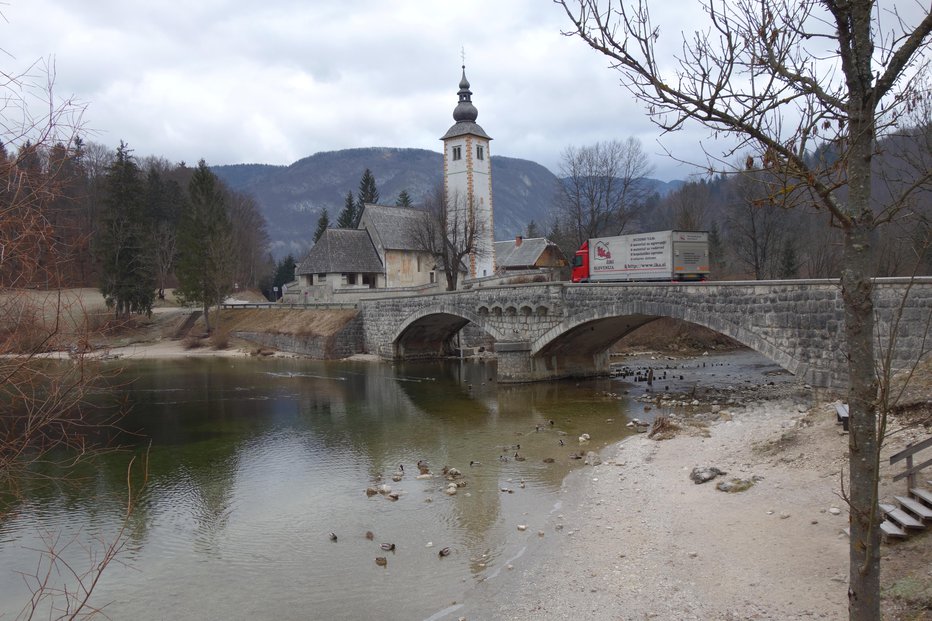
point(913, 591)
point(663, 428)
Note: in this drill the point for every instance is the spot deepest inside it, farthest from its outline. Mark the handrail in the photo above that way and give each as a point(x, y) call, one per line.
point(911, 470)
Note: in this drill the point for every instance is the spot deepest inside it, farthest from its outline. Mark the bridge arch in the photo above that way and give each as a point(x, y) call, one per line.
point(429, 331)
point(592, 332)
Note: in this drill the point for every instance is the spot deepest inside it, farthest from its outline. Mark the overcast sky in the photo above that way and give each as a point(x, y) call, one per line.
point(273, 81)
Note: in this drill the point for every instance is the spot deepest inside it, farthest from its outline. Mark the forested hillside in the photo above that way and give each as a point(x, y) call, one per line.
point(292, 197)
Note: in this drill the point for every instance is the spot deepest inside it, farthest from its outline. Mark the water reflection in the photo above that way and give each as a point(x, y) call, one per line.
point(253, 463)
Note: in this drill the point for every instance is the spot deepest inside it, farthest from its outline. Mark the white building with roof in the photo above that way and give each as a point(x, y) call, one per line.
point(467, 182)
point(384, 251)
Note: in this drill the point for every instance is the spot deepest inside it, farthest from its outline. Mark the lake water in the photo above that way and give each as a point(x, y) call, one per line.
point(254, 462)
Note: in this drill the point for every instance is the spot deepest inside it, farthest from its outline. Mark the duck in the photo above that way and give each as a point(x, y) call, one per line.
point(381, 561)
point(333, 536)
point(474, 463)
point(388, 547)
point(370, 535)
point(519, 457)
point(444, 552)
point(503, 459)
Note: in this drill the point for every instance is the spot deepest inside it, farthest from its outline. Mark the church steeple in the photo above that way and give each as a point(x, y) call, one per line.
point(467, 174)
point(465, 110)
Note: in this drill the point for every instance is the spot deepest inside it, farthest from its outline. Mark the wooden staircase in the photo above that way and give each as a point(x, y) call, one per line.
point(915, 508)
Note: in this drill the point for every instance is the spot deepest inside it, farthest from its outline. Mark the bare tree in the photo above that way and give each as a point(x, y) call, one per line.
point(250, 239)
point(687, 208)
point(755, 226)
point(602, 187)
point(784, 78)
point(44, 408)
point(450, 232)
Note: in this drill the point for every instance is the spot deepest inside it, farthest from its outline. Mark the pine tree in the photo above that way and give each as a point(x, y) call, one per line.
point(789, 260)
point(404, 200)
point(368, 193)
point(347, 217)
point(205, 249)
point(717, 263)
point(122, 246)
point(284, 272)
point(322, 224)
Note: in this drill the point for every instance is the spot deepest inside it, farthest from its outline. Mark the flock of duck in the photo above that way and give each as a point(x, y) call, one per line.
point(452, 475)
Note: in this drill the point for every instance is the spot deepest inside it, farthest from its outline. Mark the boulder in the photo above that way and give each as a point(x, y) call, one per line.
point(703, 475)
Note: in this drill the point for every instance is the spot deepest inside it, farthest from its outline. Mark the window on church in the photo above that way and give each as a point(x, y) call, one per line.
point(480, 152)
point(457, 153)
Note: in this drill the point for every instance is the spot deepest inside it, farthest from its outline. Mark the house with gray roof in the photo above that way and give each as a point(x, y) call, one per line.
point(341, 259)
point(394, 232)
point(382, 253)
point(534, 253)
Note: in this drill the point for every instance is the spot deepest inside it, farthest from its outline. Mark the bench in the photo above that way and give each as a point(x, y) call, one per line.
point(841, 415)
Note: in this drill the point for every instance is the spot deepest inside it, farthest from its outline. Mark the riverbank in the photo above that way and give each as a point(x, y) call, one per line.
point(635, 538)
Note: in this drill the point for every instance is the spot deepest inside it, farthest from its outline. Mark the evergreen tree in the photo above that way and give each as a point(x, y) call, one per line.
point(368, 193)
point(789, 260)
point(404, 200)
point(123, 247)
point(164, 202)
point(284, 272)
point(532, 230)
point(322, 224)
point(205, 249)
point(717, 262)
point(347, 217)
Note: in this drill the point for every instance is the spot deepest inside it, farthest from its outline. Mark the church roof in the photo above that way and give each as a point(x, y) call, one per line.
point(465, 127)
point(509, 255)
point(343, 251)
point(393, 228)
point(465, 114)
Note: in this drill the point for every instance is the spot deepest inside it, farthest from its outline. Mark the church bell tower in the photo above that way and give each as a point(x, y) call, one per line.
point(467, 181)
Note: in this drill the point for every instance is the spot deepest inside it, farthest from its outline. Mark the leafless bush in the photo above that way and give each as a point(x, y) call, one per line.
point(192, 342)
point(220, 338)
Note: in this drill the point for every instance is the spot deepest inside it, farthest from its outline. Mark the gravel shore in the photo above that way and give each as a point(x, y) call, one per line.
point(635, 538)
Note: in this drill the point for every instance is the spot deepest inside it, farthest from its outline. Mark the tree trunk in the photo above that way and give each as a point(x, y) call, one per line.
point(863, 443)
point(864, 569)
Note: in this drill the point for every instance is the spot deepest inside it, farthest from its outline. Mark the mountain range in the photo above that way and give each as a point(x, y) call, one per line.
point(293, 197)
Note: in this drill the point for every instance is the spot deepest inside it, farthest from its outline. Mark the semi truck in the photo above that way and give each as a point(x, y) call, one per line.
point(661, 255)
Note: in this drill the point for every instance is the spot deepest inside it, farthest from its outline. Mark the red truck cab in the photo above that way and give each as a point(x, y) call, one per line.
point(581, 264)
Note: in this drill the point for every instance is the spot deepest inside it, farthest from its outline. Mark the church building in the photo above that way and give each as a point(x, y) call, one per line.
point(384, 253)
point(467, 182)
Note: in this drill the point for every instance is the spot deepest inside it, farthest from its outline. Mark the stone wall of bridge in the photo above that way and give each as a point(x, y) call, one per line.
point(544, 331)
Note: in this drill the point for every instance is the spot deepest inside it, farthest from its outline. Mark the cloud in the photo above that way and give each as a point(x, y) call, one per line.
point(279, 80)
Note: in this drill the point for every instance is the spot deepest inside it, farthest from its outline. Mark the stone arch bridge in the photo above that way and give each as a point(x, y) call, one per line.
point(553, 330)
